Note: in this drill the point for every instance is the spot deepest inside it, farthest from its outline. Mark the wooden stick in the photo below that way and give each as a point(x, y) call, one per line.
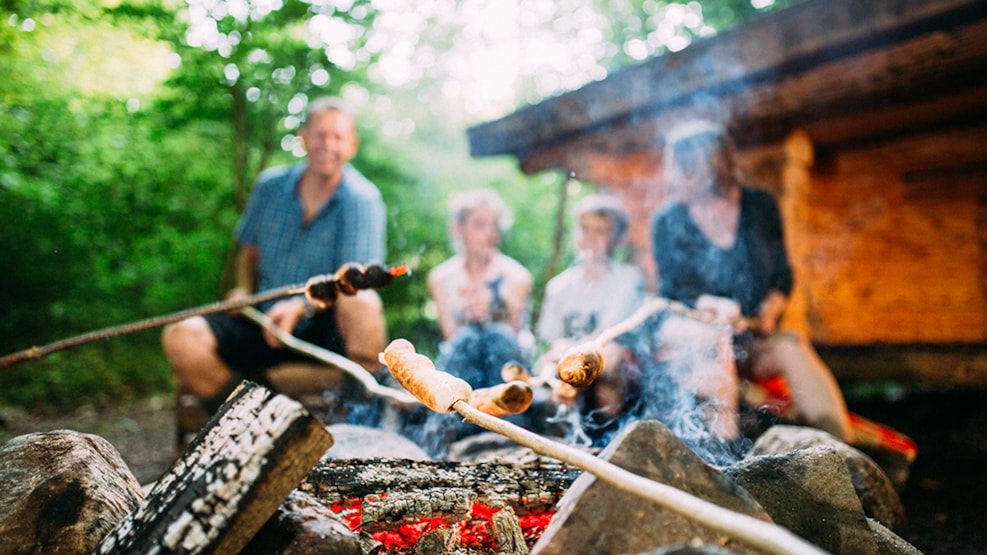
point(769, 537)
point(361, 374)
point(320, 284)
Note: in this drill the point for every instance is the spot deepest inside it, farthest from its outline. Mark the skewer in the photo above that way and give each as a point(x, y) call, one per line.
point(352, 368)
point(322, 291)
point(444, 393)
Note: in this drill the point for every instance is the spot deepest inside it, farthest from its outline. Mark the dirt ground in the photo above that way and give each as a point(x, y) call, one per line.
point(943, 499)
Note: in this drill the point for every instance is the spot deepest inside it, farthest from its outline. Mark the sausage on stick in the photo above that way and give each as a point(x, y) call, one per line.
point(504, 399)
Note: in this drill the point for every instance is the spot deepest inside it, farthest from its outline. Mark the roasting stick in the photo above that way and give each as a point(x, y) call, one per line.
point(352, 368)
point(444, 393)
point(320, 290)
point(512, 397)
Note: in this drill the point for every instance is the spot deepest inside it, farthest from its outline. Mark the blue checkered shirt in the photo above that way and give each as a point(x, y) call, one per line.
point(350, 227)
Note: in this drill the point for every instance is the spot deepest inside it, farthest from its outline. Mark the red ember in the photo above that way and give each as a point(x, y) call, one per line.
point(474, 532)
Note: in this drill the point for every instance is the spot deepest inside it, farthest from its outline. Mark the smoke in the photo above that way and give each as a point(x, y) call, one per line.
point(659, 390)
point(658, 393)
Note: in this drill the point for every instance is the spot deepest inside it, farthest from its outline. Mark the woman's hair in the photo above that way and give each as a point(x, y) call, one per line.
point(461, 205)
point(690, 146)
point(608, 207)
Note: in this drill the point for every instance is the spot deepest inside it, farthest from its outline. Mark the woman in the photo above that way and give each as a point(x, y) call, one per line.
point(719, 246)
point(481, 294)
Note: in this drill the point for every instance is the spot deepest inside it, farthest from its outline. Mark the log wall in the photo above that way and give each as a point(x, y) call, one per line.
point(888, 240)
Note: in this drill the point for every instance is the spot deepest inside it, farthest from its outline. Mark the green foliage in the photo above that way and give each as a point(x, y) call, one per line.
point(120, 188)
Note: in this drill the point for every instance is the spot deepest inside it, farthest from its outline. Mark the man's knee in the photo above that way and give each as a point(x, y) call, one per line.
point(189, 335)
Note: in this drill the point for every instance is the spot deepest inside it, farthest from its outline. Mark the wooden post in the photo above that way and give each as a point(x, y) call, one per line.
point(230, 479)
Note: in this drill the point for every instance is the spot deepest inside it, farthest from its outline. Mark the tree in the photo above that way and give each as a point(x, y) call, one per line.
point(131, 131)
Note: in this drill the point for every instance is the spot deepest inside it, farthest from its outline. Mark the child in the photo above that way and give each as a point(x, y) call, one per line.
point(596, 292)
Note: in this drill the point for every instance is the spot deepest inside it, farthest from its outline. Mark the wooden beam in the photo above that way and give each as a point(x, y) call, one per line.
point(771, 69)
point(526, 488)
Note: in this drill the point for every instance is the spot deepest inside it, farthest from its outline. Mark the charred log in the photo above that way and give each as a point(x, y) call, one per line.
point(524, 488)
point(229, 481)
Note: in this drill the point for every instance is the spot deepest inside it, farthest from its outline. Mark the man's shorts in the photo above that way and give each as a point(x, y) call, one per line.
point(243, 348)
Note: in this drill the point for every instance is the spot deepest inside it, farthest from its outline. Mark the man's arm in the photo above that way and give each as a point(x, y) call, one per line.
point(246, 272)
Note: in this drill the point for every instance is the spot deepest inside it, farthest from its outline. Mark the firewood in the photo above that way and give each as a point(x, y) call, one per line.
point(525, 488)
point(61, 492)
point(229, 481)
point(508, 535)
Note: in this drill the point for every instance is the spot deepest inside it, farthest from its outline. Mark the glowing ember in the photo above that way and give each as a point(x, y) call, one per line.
point(475, 532)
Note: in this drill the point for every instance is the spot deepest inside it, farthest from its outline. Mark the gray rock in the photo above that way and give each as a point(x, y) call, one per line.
point(889, 543)
point(877, 493)
point(809, 492)
point(593, 517)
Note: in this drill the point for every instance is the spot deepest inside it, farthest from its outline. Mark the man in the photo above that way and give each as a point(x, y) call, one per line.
point(302, 220)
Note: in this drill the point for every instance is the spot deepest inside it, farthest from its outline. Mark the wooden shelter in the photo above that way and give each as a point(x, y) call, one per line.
point(868, 120)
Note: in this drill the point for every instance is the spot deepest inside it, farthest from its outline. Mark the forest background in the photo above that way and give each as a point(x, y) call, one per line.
point(131, 132)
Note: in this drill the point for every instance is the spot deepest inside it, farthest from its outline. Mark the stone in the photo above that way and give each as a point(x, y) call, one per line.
point(877, 493)
point(594, 517)
point(62, 492)
point(809, 492)
point(889, 543)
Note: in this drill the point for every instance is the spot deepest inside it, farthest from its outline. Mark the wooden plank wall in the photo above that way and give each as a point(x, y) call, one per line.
point(888, 240)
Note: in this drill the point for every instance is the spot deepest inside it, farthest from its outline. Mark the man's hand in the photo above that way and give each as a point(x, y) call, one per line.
point(285, 315)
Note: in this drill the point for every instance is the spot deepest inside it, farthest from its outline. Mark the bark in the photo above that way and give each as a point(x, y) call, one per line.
point(61, 491)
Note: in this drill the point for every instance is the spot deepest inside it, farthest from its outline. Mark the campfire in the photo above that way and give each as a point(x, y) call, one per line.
point(253, 479)
point(257, 480)
point(477, 531)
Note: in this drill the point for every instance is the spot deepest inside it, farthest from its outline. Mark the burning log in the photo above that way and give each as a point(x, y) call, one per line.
point(525, 488)
point(388, 512)
point(229, 481)
point(443, 393)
